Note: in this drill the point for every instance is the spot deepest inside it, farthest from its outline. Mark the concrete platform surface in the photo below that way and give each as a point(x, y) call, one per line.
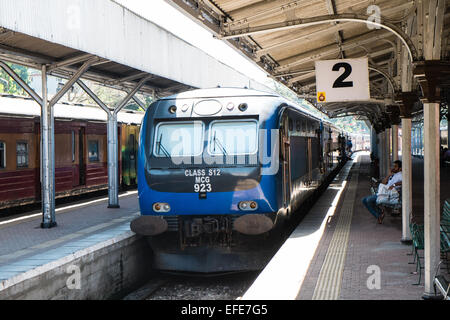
point(340, 252)
point(26, 246)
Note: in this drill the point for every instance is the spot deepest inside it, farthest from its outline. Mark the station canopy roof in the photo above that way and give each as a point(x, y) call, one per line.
point(286, 37)
point(63, 62)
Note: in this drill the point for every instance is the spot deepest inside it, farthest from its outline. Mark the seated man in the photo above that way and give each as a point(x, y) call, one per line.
point(393, 180)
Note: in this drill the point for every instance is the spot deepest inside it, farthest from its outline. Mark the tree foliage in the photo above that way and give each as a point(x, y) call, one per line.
point(8, 85)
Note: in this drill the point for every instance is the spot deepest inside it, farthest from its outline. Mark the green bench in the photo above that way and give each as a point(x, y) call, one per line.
point(417, 234)
point(443, 285)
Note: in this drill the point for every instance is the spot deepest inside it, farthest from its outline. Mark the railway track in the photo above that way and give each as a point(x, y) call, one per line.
point(230, 286)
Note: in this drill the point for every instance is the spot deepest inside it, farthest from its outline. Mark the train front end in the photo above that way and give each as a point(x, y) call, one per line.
point(207, 180)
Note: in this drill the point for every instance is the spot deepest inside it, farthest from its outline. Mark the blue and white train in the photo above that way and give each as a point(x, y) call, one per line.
point(219, 170)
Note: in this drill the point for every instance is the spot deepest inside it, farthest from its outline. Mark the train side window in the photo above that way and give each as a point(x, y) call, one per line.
point(304, 125)
point(2, 155)
point(93, 150)
point(22, 154)
point(297, 125)
point(291, 125)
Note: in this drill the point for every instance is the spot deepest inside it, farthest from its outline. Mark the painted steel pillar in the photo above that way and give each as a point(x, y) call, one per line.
point(431, 193)
point(394, 142)
point(406, 180)
point(385, 152)
point(388, 151)
point(407, 101)
point(47, 158)
point(380, 153)
point(429, 74)
point(113, 172)
point(373, 142)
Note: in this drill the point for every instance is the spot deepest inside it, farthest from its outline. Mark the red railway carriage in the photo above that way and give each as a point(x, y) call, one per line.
point(19, 158)
point(80, 149)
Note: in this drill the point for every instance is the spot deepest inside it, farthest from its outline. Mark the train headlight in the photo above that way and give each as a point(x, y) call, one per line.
point(242, 107)
point(248, 205)
point(173, 109)
point(161, 207)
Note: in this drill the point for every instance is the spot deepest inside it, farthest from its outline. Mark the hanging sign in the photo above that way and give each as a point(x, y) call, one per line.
point(342, 80)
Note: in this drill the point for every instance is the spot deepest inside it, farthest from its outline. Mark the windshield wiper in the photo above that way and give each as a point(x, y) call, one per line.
point(219, 144)
point(161, 147)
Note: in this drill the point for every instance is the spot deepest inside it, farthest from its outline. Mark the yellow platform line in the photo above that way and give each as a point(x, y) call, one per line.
point(329, 283)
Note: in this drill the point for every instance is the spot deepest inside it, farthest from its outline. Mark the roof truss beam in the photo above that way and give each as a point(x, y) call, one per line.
point(386, 7)
point(302, 23)
point(315, 54)
point(70, 61)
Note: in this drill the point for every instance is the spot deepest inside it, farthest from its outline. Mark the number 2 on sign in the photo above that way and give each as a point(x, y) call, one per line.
point(340, 83)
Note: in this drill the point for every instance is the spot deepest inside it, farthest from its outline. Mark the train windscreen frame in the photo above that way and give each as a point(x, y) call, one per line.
point(178, 138)
point(224, 136)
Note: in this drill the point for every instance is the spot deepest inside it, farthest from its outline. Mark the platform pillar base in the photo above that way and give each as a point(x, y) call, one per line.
point(432, 296)
point(113, 206)
point(48, 225)
point(406, 241)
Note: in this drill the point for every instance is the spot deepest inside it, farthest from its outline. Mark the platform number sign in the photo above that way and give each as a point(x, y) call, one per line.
point(342, 80)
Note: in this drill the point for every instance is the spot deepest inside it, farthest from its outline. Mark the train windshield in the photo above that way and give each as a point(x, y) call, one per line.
point(233, 137)
point(174, 139)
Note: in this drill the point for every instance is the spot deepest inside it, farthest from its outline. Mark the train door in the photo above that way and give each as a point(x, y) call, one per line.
point(321, 148)
point(81, 156)
point(129, 156)
point(310, 162)
point(133, 157)
point(286, 160)
point(328, 154)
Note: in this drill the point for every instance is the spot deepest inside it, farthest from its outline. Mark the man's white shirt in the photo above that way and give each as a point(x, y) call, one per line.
point(395, 178)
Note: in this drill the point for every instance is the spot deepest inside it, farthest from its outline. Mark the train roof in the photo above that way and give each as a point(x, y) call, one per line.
point(219, 93)
point(232, 93)
point(242, 92)
point(26, 107)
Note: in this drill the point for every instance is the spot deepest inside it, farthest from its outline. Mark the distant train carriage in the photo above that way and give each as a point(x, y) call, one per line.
point(130, 145)
point(219, 170)
point(80, 150)
point(19, 171)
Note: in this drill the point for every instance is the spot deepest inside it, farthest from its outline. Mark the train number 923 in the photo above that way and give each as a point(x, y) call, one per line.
point(202, 178)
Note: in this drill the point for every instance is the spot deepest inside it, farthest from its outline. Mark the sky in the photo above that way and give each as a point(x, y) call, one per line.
point(166, 16)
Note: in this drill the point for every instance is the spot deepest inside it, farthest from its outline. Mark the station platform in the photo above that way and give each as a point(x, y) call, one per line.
point(340, 252)
point(337, 252)
point(28, 251)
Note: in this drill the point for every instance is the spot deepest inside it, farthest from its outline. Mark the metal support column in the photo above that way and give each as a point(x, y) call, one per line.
point(388, 151)
point(431, 193)
point(113, 181)
point(406, 180)
point(47, 158)
point(47, 146)
point(381, 152)
point(113, 139)
point(394, 142)
point(407, 101)
point(429, 74)
point(373, 142)
point(112, 148)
